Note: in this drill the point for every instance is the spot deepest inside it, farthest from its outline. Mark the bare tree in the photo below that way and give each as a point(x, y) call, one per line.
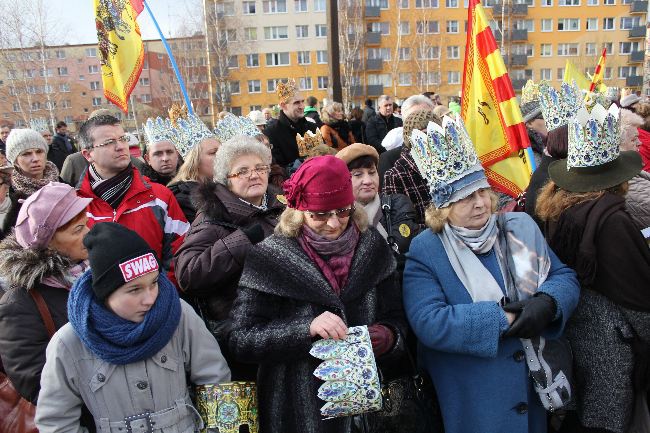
point(396, 61)
point(351, 38)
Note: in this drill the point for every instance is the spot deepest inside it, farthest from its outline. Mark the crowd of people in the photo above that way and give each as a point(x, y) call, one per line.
point(221, 255)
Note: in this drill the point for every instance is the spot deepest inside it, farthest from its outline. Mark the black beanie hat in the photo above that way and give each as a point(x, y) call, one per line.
point(117, 255)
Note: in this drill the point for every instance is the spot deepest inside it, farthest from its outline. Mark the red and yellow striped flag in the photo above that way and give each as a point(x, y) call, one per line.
point(490, 109)
point(599, 72)
point(120, 47)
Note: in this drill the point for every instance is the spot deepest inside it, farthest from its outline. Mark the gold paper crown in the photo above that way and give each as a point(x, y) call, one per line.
point(308, 142)
point(530, 92)
point(176, 111)
point(286, 90)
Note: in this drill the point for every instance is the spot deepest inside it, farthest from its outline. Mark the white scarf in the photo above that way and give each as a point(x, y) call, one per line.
point(373, 209)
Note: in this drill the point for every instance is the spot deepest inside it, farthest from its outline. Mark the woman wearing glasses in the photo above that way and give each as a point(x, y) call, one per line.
point(321, 272)
point(235, 211)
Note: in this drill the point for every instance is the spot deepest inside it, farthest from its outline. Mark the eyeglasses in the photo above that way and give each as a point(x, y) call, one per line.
point(113, 142)
point(325, 216)
point(247, 173)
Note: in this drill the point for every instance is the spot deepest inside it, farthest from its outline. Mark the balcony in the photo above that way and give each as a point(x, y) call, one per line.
point(374, 38)
point(519, 83)
point(637, 32)
point(374, 64)
point(371, 12)
point(519, 35)
point(356, 91)
point(634, 81)
point(375, 90)
point(638, 7)
point(637, 57)
point(514, 10)
point(517, 60)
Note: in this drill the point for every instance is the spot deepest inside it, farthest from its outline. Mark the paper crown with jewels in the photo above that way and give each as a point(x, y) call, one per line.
point(286, 89)
point(530, 91)
point(306, 143)
point(158, 129)
point(189, 129)
point(232, 125)
point(559, 106)
point(39, 125)
point(594, 136)
point(446, 159)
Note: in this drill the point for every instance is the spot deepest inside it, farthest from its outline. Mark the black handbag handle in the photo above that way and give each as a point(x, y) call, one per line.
point(386, 206)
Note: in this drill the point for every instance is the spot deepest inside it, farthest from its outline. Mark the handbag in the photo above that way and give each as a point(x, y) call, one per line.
point(16, 413)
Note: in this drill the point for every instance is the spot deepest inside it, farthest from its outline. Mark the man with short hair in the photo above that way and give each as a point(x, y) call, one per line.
point(435, 98)
point(311, 111)
point(61, 146)
point(268, 114)
point(368, 111)
point(121, 194)
point(4, 133)
point(378, 126)
point(161, 160)
point(282, 132)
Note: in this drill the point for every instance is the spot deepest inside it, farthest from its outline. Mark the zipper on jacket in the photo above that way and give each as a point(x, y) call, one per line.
point(114, 215)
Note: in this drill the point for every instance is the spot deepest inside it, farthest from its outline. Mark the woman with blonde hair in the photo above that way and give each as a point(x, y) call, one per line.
point(336, 130)
point(321, 272)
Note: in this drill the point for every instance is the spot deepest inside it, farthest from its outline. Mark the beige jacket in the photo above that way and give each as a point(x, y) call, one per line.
point(153, 393)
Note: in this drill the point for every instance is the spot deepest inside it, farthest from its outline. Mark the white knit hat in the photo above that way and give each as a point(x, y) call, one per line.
point(20, 140)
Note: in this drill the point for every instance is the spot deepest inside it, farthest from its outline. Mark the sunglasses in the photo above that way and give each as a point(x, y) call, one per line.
point(325, 216)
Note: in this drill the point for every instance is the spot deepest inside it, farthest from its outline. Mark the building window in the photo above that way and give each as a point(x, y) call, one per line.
point(249, 7)
point(609, 46)
point(64, 87)
point(547, 25)
point(428, 27)
point(274, 6)
point(97, 102)
point(234, 87)
point(145, 99)
point(144, 81)
point(250, 33)
point(233, 62)
point(453, 77)
point(627, 47)
point(300, 5)
point(254, 86)
point(404, 79)
point(525, 25)
point(592, 2)
point(382, 28)
point(271, 83)
point(404, 28)
point(590, 48)
point(608, 24)
point(545, 74)
point(252, 60)
point(592, 24)
point(383, 80)
point(321, 30)
point(304, 58)
point(302, 31)
point(547, 3)
point(304, 83)
point(567, 50)
point(453, 52)
point(321, 56)
point(568, 24)
point(66, 104)
point(403, 4)
point(404, 53)
point(609, 2)
point(569, 2)
point(379, 53)
point(452, 26)
point(94, 85)
point(93, 69)
point(62, 71)
point(277, 59)
point(628, 22)
point(422, 4)
point(91, 52)
point(451, 3)
point(277, 32)
point(225, 8)
point(608, 73)
point(320, 6)
point(627, 71)
point(429, 53)
point(60, 54)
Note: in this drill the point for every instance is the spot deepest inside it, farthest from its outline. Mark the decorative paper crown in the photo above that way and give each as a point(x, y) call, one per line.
point(559, 107)
point(308, 142)
point(530, 92)
point(594, 136)
point(228, 406)
point(592, 98)
point(39, 125)
point(350, 374)
point(232, 125)
point(446, 159)
point(159, 129)
point(190, 132)
point(176, 111)
point(286, 90)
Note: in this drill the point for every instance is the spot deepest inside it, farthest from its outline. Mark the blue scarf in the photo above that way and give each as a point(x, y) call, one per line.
point(117, 340)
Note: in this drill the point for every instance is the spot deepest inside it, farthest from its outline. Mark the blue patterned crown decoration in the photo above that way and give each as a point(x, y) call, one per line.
point(446, 159)
point(349, 372)
point(158, 129)
point(559, 106)
point(190, 131)
point(232, 125)
point(594, 136)
point(39, 125)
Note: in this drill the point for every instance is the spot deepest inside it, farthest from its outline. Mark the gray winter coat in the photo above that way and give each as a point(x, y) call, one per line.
point(73, 376)
point(281, 292)
point(637, 200)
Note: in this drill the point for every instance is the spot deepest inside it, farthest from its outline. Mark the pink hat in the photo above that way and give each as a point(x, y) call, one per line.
point(45, 211)
point(320, 184)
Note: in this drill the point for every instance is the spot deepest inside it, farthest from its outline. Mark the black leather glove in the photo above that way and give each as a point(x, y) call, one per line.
point(533, 316)
point(254, 233)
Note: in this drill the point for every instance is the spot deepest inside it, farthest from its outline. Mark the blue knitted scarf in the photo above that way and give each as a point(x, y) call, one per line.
point(117, 340)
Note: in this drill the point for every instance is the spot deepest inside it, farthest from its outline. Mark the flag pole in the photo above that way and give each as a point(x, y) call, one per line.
point(188, 103)
point(597, 71)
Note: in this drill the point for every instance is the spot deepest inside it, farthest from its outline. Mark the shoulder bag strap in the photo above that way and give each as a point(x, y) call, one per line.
point(44, 311)
point(386, 205)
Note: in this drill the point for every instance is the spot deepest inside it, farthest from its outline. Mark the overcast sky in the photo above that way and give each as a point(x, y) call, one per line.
point(76, 18)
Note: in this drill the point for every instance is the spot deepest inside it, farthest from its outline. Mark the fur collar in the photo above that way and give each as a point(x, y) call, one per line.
point(26, 267)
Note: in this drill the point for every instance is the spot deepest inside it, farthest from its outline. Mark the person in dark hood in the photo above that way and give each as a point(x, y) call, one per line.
point(311, 110)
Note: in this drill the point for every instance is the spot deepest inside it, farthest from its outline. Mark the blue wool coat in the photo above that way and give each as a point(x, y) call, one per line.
point(481, 378)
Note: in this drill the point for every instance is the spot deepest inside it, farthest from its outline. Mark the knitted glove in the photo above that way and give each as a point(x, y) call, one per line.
point(533, 316)
point(254, 233)
point(381, 338)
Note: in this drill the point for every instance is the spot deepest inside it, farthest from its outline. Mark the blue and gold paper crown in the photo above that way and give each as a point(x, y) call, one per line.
point(232, 125)
point(39, 125)
point(158, 129)
point(559, 106)
point(446, 159)
point(190, 131)
point(594, 136)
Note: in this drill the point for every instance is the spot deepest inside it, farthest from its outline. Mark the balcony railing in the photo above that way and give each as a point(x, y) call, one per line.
point(356, 91)
point(638, 7)
point(637, 32)
point(634, 81)
point(373, 38)
point(375, 89)
point(374, 64)
point(517, 60)
point(519, 35)
point(518, 83)
point(514, 10)
point(637, 56)
point(372, 12)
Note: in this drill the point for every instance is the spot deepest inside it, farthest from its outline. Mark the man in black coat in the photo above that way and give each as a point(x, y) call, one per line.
point(378, 126)
point(61, 146)
point(4, 133)
point(282, 132)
